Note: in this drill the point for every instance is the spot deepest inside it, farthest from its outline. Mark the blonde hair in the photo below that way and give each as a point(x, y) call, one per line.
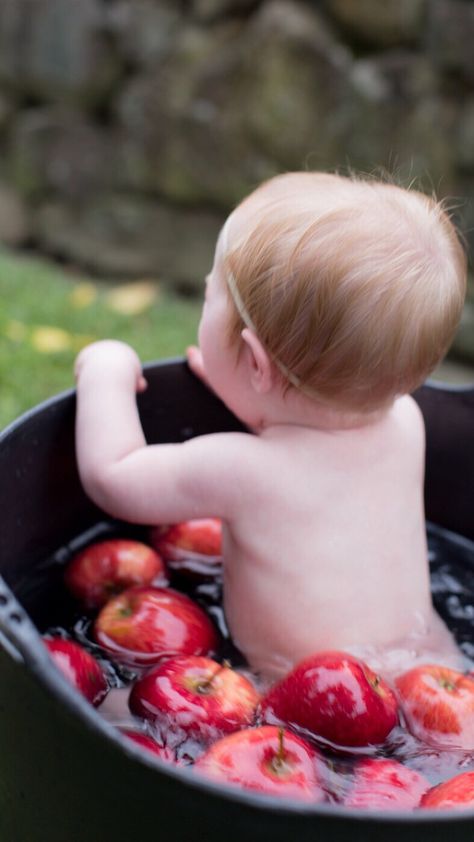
point(355, 288)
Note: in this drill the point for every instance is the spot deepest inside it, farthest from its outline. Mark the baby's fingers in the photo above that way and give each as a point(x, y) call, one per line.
point(111, 358)
point(142, 384)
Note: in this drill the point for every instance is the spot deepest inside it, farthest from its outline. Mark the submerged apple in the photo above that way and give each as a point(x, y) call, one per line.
point(456, 793)
point(106, 568)
point(381, 783)
point(148, 743)
point(193, 547)
point(196, 696)
point(79, 667)
point(438, 705)
point(336, 697)
point(266, 759)
point(145, 625)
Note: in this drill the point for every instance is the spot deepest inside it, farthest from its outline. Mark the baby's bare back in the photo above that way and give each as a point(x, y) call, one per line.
point(328, 547)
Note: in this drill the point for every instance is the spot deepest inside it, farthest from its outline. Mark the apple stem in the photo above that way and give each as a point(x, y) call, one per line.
point(205, 686)
point(446, 684)
point(278, 761)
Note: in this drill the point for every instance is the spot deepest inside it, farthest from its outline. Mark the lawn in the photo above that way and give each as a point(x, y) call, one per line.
point(47, 314)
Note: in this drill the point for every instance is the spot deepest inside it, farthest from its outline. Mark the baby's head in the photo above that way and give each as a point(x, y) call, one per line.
point(354, 288)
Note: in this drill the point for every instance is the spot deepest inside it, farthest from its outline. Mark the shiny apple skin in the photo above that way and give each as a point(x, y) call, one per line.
point(79, 667)
point(250, 758)
point(106, 568)
point(149, 744)
point(202, 536)
point(385, 784)
point(143, 626)
point(334, 696)
point(438, 705)
point(196, 696)
point(457, 793)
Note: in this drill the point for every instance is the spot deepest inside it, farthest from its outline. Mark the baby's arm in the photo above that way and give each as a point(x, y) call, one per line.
point(125, 476)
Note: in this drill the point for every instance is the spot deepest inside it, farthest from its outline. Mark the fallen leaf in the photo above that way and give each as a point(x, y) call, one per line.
point(80, 340)
point(132, 299)
point(83, 294)
point(51, 340)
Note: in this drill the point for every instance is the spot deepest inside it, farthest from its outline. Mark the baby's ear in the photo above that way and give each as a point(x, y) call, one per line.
point(259, 362)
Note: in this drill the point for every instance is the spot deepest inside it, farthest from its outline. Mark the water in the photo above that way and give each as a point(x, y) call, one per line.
point(452, 578)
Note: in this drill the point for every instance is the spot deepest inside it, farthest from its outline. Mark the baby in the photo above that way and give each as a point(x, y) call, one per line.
point(329, 301)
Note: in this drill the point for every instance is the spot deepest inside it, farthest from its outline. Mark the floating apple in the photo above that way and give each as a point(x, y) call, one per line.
point(79, 667)
point(193, 546)
point(148, 743)
point(195, 695)
point(438, 705)
point(106, 568)
point(336, 697)
point(381, 783)
point(266, 759)
point(457, 793)
point(145, 625)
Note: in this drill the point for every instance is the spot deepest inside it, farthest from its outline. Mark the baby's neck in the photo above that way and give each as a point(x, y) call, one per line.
point(327, 418)
point(299, 411)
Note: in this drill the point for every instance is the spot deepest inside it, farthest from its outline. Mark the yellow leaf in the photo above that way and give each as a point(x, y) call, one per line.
point(51, 340)
point(83, 295)
point(80, 340)
point(132, 299)
point(16, 331)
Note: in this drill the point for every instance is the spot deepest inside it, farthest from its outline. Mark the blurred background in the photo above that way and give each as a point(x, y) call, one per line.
point(130, 128)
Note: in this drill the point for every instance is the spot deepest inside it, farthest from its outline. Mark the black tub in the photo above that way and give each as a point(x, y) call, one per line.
point(68, 776)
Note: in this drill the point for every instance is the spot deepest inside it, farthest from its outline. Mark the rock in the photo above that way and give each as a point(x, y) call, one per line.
point(144, 30)
point(454, 372)
point(14, 218)
point(109, 109)
point(463, 345)
point(450, 36)
point(208, 9)
point(464, 147)
point(221, 115)
point(461, 201)
point(56, 49)
point(293, 80)
point(6, 110)
point(128, 237)
point(57, 149)
point(380, 23)
point(183, 124)
point(395, 120)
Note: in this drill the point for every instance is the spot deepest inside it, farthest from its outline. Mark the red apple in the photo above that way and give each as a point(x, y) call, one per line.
point(457, 793)
point(106, 568)
point(143, 740)
point(336, 697)
point(193, 546)
point(79, 667)
point(438, 705)
point(385, 784)
point(266, 759)
point(195, 695)
point(146, 625)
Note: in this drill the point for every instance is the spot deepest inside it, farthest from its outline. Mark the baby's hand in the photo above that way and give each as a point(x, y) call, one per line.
point(113, 358)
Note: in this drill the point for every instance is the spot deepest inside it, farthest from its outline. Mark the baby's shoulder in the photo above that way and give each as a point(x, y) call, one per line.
point(405, 440)
point(409, 418)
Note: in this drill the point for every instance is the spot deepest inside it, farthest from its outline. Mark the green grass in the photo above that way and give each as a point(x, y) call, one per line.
point(36, 363)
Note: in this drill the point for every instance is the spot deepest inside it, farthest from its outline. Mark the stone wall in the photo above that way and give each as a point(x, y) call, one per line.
point(129, 128)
